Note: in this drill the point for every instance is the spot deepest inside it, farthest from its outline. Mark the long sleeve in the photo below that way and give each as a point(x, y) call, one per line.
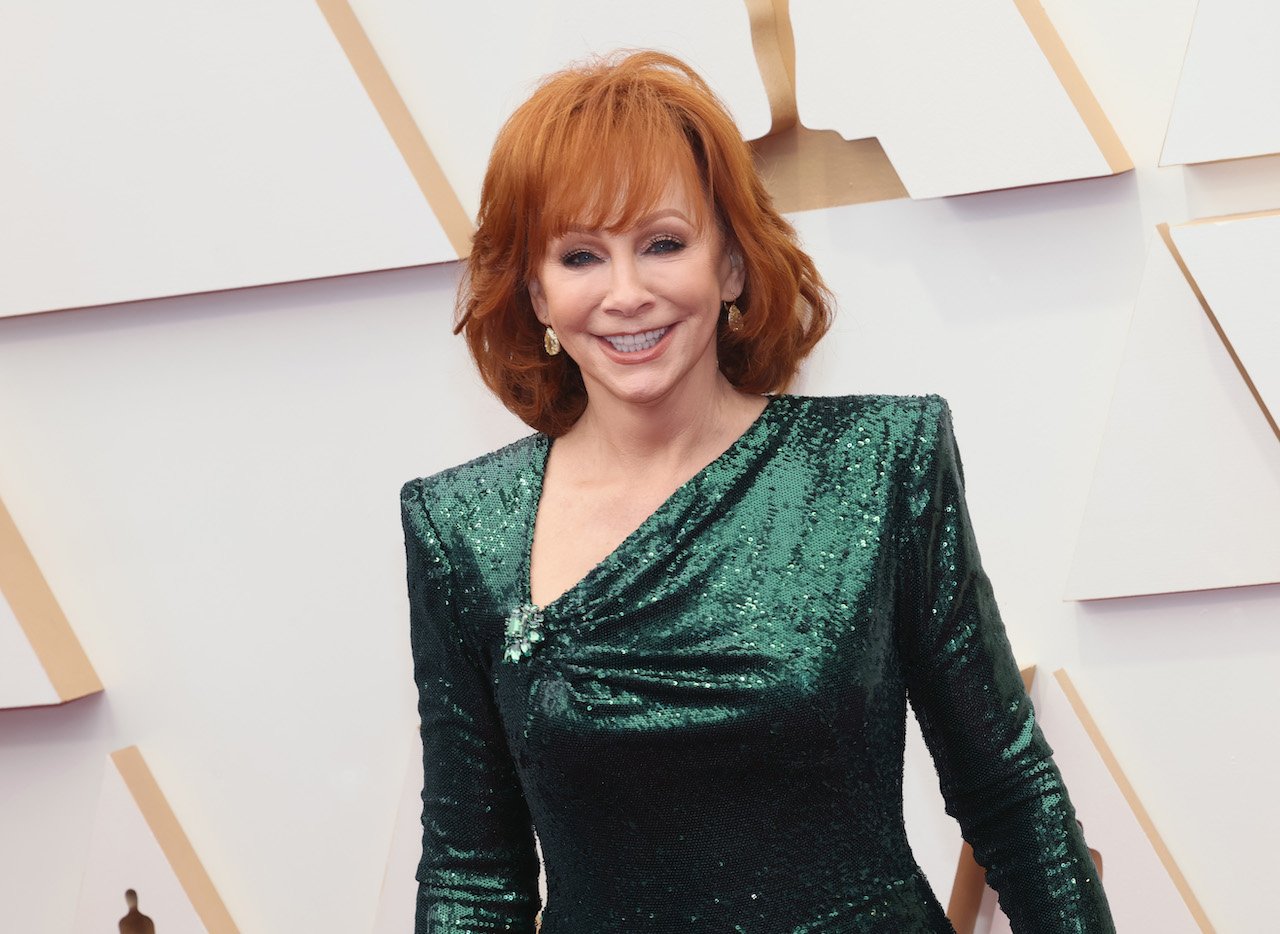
point(479, 867)
point(995, 767)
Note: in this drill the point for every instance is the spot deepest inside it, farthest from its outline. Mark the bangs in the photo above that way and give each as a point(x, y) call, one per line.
point(610, 161)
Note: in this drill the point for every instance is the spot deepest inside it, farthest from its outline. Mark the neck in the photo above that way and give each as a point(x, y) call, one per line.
point(690, 425)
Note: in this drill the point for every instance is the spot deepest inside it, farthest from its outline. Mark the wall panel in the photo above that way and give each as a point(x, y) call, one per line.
point(1182, 424)
point(1224, 108)
point(962, 98)
point(1232, 262)
point(159, 149)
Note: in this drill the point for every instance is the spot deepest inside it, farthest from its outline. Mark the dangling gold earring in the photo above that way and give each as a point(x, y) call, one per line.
point(733, 319)
point(551, 342)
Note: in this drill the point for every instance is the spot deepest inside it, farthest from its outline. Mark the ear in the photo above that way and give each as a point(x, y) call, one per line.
point(539, 300)
point(733, 275)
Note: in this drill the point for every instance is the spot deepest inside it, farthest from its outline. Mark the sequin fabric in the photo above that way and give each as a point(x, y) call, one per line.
point(708, 732)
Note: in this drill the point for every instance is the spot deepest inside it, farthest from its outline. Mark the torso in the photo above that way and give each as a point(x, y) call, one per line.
point(744, 621)
point(739, 665)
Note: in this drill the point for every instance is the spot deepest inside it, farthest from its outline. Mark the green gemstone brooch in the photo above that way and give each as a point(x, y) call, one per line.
point(524, 629)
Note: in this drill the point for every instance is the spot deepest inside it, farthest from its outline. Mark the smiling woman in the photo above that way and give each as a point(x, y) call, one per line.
point(620, 147)
point(675, 629)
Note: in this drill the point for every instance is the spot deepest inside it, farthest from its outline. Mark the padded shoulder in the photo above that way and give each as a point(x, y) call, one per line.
point(476, 482)
point(479, 508)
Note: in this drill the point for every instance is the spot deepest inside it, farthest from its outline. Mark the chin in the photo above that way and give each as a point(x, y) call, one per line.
point(645, 391)
point(647, 395)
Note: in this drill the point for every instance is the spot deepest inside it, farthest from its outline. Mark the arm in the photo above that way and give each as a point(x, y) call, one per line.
point(995, 767)
point(479, 869)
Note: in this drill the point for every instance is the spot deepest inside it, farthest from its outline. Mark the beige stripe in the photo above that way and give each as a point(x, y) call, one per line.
point(40, 617)
point(1167, 236)
point(775, 50)
point(966, 892)
point(1144, 819)
point(173, 841)
point(399, 122)
point(1064, 66)
point(805, 169)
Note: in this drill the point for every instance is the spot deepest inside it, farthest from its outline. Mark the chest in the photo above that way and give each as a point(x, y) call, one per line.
point(576, 529)
point(764, 633)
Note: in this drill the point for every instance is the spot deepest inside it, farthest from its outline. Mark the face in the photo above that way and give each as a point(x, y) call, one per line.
point(638, 309)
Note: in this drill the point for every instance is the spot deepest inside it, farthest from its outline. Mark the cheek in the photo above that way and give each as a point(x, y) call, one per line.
point(561, 294)
point(702, 289)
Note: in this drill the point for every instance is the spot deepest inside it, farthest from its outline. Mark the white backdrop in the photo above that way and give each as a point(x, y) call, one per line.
point(210, 486)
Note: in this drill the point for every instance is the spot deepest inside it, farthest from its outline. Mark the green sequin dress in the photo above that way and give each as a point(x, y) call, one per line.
point(707, 730)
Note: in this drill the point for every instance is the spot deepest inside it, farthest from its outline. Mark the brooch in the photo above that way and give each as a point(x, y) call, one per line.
point(524, 628)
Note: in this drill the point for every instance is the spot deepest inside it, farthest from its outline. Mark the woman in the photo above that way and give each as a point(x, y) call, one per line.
point(676, 628)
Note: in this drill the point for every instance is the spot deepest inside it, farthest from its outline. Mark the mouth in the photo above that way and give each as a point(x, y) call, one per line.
point(635, 343)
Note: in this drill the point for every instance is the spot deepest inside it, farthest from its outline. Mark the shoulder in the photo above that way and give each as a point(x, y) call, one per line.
point(491, 488)
point(900, 433)
point(893, 417)
point(481, 476)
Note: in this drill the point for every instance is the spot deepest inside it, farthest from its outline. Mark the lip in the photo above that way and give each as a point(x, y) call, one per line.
point(638, 356)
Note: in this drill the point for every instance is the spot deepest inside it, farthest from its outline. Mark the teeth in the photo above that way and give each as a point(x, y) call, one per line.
point(631, 343)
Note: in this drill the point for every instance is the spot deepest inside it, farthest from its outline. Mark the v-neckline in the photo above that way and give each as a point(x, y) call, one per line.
point(542, 454)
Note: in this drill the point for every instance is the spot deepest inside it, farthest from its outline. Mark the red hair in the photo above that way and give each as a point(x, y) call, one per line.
point(626, 124)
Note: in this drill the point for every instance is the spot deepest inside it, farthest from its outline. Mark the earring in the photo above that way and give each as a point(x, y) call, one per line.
point(551, 342)
point(733, 318)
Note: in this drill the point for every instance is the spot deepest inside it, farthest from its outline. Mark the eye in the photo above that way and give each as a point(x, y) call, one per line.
point(665, 244)
point(577, 258)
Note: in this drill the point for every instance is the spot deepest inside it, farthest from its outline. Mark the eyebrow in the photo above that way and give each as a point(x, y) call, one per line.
point(640, 222)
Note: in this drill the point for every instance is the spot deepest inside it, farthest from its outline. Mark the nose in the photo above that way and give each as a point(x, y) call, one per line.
point(628, 295)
